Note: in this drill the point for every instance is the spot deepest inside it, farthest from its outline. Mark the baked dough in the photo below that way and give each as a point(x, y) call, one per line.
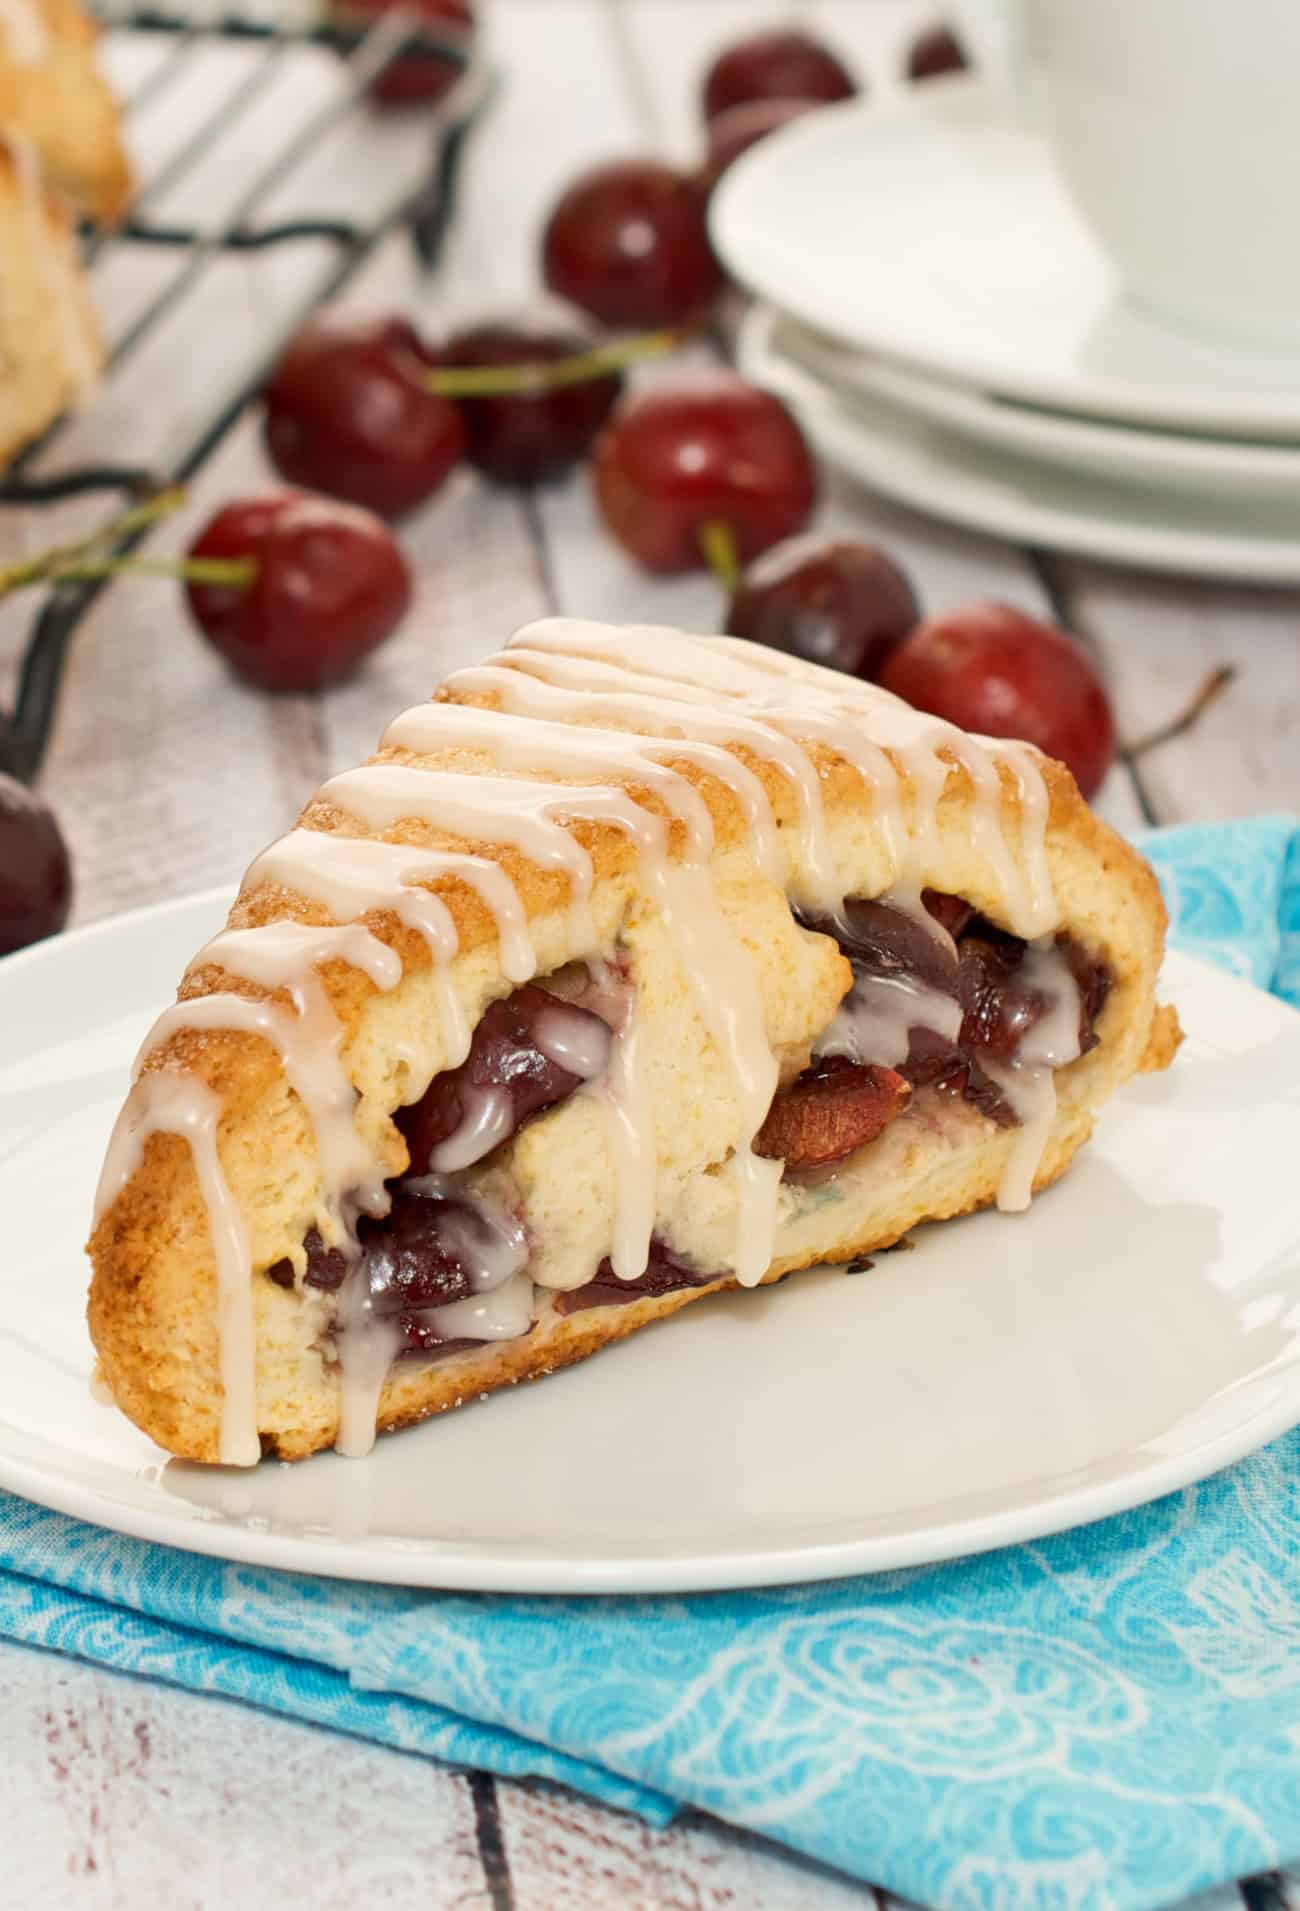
point(53, 95)
point(50, 342)
point(663, 826)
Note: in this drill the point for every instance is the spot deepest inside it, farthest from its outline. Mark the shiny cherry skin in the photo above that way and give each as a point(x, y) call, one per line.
point(831, 601)
point(331, 584)
point(732, 133)
point(994, 670)
point(346, 414)
point(627, 242)
point(936, 51)
point(707, 449)
point(35, 869)
point(530, 437)
point(416, 78)
point(784, 64)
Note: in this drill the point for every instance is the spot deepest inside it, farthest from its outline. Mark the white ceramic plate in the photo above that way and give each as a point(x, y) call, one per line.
point(1010, 1376)
point(903, 456)
point(1171, 460)
point(936, 231)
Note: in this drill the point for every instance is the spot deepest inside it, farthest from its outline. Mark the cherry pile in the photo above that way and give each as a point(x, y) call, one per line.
point(366, 421)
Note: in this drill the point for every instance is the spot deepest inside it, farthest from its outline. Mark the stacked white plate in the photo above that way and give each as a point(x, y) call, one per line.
point(935, 311)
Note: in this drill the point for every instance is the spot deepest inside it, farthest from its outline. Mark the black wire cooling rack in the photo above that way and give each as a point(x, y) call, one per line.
point(422, 204)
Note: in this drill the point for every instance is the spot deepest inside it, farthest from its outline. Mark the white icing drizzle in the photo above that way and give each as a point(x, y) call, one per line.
point(549, 747)
point(368, 1346)
point(1029, 1083)
point(277, 953)
point(875, 1020)
point(27, 37)
point(492, 809)
point(808, 699)
point(489, 1243)
point(633, 1146)
point(308, 1038)
point(649, 698)
point(57, 265)
point(487, 1118)
point(352, 875)
point(524, 695)
point(573, 1041)
point(176, 1105)
point(723, 982)
point(500, 1313)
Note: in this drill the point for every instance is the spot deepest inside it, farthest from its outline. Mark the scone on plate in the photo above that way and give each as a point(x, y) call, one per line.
point(634, 966)
point(50, 340)
point(53, 94)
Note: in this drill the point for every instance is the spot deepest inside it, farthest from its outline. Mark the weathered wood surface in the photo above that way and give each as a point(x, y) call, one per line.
point(168, 774)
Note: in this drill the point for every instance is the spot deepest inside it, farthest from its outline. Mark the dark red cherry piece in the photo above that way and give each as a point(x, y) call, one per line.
point(330, 584)
point(347, 414)
point(507, 1063)
point(35, 869)
point(706, 450)
point(993, 669)
point(936, 51)
point(627, 242)
point(415, 78)
point(740, 127)
point(784, 64)
point(832, 601)
point(530, 437)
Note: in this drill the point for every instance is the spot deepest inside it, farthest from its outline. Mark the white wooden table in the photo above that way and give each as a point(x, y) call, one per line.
point(167, 776)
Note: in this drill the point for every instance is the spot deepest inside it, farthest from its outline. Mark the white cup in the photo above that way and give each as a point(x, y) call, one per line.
point(1176, 125)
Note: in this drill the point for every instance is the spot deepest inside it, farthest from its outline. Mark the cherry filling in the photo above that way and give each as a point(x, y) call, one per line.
point(930, 1007)
point(441, 1272)
point(664, 1274)
point(530, 1051)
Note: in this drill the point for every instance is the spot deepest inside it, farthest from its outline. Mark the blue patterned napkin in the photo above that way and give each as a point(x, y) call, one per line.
point(1107, 1718)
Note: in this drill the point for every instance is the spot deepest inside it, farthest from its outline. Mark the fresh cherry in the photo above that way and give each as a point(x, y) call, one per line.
point(784, 64)
point(530, 437)
point(347, 413)
point(327, 583)
point(627, 243)
point(830, 600)
point(936, 51)
point(992, 669)
point(740, 127)
point(35, 871)
point(699, 453)
point(415, 77)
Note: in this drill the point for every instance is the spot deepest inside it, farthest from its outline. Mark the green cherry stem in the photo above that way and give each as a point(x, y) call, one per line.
point(718, 542)
point(55, 562)
point(236, 573)
point(500, 381)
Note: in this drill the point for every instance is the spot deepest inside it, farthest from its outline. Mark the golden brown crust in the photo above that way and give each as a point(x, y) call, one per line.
point(63, 105)
point(152, 1305)
point(50, 340)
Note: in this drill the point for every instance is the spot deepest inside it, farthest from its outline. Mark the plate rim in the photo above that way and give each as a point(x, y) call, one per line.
point(1272, 412)
point(399, 1560)
point(853, 446)
point(1183, 461)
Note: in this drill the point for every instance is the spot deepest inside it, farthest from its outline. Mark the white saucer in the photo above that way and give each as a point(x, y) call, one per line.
point(1011, 1376)
point(1171, 460)
point(935, 231)
point(943, 472)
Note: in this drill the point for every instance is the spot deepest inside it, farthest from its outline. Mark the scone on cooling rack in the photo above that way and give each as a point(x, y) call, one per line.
point(54, 95)
point(633, 967)
point(50, 339)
